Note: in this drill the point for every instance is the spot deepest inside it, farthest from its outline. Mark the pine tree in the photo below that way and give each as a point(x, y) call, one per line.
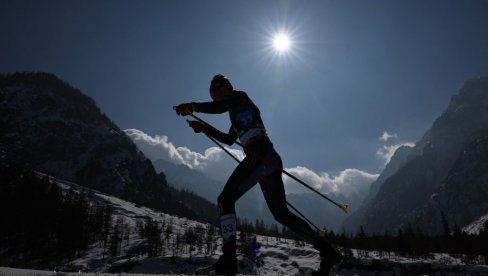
point(190, 238)
point(115, 239)
point(445, 224)
point(154, 240)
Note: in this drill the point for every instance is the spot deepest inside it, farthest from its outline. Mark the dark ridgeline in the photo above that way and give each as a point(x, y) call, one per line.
point(54, 129)
point(446, 172)
point(50, 127)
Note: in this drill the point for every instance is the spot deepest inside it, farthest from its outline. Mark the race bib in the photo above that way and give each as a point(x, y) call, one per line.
point(228, 225)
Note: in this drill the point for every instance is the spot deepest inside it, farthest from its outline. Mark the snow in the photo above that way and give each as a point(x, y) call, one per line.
point(7, 271)
point(476, 226)
point(280, 256)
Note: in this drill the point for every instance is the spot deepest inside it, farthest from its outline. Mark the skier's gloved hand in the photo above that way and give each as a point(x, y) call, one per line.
point(184, 109)
point(197, 126)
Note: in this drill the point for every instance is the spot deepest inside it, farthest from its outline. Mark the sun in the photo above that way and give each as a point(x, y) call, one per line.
point(281, 46)
point(281, 42)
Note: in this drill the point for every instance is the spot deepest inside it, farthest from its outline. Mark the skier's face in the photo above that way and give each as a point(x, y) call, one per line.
point(219, 93)
point(215, 95)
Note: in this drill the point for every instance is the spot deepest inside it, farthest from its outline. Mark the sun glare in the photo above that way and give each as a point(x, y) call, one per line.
point(281, 46)
point(281, 43)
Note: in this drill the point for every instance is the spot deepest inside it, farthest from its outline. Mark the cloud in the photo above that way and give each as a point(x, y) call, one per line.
point(387, 136)
point(348, 182)
point(387, 152)
point(215, 163)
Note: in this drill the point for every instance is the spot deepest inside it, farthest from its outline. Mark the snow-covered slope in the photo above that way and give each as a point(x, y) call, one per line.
point(476, 226)
point(278, 256)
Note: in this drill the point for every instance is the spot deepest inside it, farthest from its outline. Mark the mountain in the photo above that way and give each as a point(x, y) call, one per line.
point(353, 222)
point(322, 212)
point(464, 193)
point(445, 167)
point(59, 131)
point(182, 177)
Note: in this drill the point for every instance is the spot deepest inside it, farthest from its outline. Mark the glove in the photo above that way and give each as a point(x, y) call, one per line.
point(184, 109)
point(197, 126)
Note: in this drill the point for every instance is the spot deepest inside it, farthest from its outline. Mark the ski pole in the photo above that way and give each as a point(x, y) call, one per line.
point(237, 160)
point(343, 207)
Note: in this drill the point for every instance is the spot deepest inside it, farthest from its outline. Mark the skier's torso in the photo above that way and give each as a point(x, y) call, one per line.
point(246, 119)
point(244, 116)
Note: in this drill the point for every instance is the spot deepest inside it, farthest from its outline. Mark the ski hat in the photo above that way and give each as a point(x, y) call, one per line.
point(219, 81)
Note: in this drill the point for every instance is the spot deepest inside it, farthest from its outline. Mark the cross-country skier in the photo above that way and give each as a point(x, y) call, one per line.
point(249, 128)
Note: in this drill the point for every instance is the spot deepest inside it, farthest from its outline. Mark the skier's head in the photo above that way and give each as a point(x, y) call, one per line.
point(220, 87)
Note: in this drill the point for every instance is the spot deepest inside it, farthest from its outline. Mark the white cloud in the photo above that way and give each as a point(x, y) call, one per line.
point(215, 163)
point(387, 152)
point(387, 136)
point(347, 182)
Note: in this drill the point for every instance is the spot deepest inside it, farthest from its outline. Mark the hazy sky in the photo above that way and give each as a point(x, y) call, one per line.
point(355, 68)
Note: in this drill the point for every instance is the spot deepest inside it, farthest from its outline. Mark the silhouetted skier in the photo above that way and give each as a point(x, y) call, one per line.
point(248, 126)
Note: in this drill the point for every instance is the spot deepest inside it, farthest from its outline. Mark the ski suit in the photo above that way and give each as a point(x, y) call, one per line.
point(247, 125)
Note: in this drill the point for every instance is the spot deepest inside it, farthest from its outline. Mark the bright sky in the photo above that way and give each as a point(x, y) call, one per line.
point(352, 71)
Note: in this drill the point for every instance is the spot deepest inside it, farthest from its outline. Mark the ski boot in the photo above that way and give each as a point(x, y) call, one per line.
point(227, 263)
point(329, 255)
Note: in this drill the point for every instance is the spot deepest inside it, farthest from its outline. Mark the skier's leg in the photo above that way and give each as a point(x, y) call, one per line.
point(244, 177)
point(274, 193)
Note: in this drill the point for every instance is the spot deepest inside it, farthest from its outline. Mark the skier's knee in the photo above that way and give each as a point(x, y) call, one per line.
point(226, 204)
point(280, 217)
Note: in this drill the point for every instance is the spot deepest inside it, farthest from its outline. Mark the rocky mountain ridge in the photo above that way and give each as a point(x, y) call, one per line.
point(431, 168)
point(57, 130)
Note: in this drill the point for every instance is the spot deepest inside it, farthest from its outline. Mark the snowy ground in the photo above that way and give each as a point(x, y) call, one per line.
point(476, 226)
point(280, 256)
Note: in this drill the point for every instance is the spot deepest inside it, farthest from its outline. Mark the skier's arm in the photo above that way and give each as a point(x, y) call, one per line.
point(217, 107)
point(226, 138)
